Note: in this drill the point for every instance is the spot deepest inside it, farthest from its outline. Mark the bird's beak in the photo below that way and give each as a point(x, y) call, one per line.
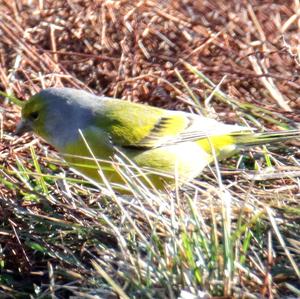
point(23, 126)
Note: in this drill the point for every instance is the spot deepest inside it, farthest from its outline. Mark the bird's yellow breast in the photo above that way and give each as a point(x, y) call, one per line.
point(161, 165)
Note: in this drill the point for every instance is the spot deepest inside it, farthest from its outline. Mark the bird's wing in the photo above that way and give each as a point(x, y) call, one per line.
point(138, 126)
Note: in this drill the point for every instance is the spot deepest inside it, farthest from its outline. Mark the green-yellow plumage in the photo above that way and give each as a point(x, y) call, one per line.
point(77, 123)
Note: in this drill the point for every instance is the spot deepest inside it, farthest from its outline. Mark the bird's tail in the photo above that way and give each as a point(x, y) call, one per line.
point(252, 139)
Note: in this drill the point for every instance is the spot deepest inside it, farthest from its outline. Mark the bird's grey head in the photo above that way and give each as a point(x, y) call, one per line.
point(56, 114)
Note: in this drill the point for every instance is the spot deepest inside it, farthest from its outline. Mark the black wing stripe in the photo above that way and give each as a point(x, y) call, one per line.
point(162, 124)
point(153, 135)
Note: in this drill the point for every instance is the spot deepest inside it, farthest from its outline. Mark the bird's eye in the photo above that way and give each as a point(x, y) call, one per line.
point(34, 115)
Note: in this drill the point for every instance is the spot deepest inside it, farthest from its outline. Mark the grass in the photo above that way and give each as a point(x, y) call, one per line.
point(214, 237)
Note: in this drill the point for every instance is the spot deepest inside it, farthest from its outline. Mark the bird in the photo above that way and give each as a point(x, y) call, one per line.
point(169, 146)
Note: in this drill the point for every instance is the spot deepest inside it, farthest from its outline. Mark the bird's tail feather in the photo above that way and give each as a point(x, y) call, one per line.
point(251, 139)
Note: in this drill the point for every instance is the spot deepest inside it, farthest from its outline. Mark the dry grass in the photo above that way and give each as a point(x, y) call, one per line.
point(239, 236)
